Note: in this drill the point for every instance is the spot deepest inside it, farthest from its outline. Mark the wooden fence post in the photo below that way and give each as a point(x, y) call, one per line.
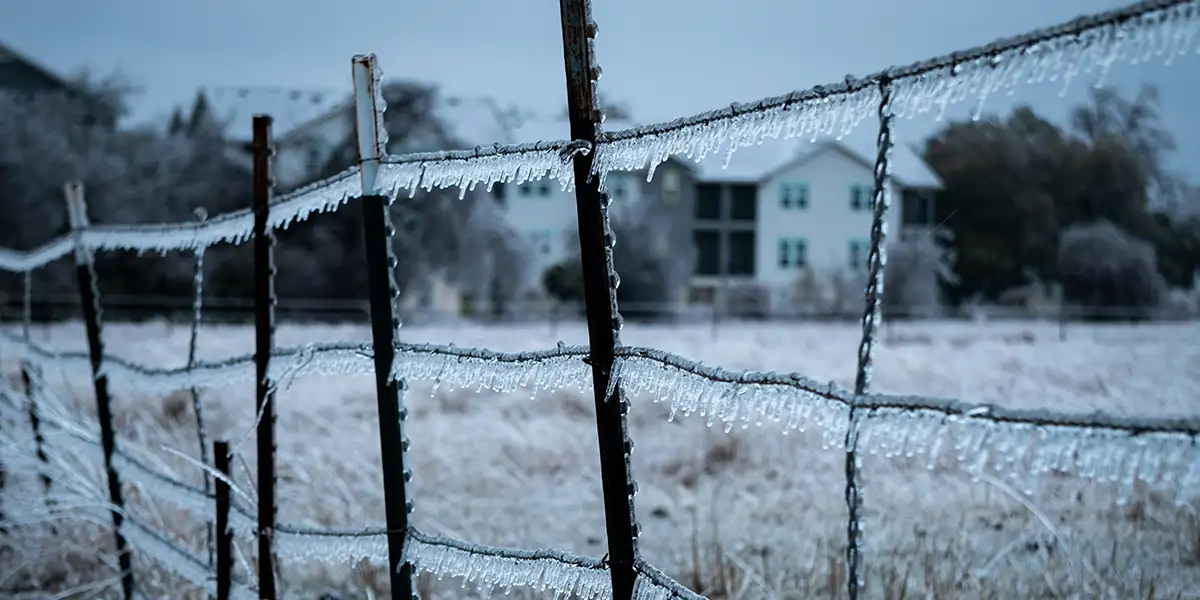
point(264, 338)
point(383, 293)
point(599, 287)
point(89, 297)
point(224, 537)
point(197, 406)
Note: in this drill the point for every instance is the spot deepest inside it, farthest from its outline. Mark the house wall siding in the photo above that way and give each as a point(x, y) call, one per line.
point(827, 225)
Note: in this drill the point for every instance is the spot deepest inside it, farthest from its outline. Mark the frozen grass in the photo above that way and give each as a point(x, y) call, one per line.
point(748, 514)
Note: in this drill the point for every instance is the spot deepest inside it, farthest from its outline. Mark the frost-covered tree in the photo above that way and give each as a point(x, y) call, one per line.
point(1102, 267)
point(917, 268)
point(650, 274)
point(133, 175)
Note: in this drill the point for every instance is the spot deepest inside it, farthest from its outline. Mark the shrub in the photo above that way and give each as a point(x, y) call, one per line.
point(1108, 272)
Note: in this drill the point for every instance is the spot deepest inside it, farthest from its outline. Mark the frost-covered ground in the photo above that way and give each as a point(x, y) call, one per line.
point(752, 513)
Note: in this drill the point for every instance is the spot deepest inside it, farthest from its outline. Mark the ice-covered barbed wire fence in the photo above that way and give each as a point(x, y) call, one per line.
point(1126, 451)
point(1017, 443)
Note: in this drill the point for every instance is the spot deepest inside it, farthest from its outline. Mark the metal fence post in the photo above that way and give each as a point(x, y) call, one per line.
point(383, 293)
point(224, 537)
point(599, 285)
point(264, 338)
point(877, 258)
point(89, 297)
point(27, 379)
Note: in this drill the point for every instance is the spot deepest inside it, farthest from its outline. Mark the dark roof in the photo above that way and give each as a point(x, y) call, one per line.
point(20, 73)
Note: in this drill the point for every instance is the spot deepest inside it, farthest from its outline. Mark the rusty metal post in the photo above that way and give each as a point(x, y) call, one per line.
point(28, 377)
point(264, 338)
point(39, 442)
point(224, 537)
point(599, 286)
point(385, 321)
point(89, 297)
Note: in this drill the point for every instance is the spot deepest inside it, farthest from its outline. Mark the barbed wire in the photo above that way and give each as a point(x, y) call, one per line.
point(740, 124)
point(466, 367)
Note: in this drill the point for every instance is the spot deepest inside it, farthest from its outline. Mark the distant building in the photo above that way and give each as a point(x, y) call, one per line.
point(546, 216)
point(21, 74)
point(23, 77)
point(776, 211)
point(228, 112)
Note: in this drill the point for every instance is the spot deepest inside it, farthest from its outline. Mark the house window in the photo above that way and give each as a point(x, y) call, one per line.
point(858, 254)
point(741, 253)
point(498, 192)
point(544, 189)
point(708, 201)
point(793, 253)
point(917, 208)
point(672, 187)
point(794, 195)
point(312, 158)
point(541, 241)
point(525, 190)
point(745, 203)
point(708, 251)
point(860, 197)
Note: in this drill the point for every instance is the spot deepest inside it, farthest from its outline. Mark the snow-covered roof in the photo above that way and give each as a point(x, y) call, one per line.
point(754, 163)
point(234, 107)
point(475, 121)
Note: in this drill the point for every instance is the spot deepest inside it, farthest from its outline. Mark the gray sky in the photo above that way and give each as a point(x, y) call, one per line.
point(665, 58)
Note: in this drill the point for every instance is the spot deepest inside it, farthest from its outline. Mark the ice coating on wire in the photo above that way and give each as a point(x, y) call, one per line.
point(546, 370)
point(234, 227)
point(490, 568)
point(1162, 29)
point(484, 165)
point(16, 261)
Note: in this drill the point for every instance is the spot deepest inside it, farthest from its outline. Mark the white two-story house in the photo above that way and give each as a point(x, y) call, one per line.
point(782, 208)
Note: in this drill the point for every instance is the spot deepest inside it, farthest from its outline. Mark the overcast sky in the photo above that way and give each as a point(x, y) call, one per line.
point(664, 58)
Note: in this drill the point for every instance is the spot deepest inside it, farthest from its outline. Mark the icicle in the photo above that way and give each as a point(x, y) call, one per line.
point(234, 227)
point(467, 169)
point(1165, 34)
point(719, 396)
point(497, 372)
point(488, 568)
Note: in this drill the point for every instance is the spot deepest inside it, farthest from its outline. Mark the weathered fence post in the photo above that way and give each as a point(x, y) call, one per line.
point(264, 344)
point(197, 407)
point(383, 293)
point(600, 296)
point(876, 260)
point(224, 537)
point(28, 377)
point(89, 297)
